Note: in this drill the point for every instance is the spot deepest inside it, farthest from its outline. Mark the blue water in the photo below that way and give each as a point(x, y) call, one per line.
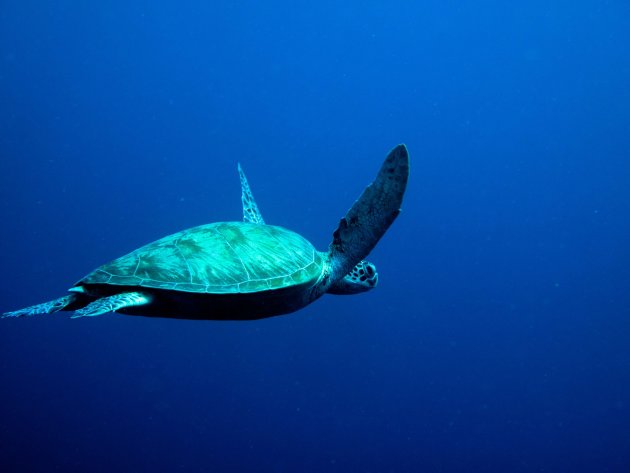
point(498, 339)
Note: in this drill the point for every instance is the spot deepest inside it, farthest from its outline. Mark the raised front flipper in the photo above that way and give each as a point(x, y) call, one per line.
point(112, 304)
point(250, 209)
point(371, 215)
point(45, 308)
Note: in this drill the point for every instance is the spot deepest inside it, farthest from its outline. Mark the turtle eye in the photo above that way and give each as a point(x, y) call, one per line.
point(370, 270)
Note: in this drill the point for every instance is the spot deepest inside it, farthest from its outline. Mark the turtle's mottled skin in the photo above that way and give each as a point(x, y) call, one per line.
point(242, 270)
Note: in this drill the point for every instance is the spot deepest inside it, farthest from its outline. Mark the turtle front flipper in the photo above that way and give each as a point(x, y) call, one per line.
point(112, 304)
point(44, 308)
point(250, 208)
point(371, 215)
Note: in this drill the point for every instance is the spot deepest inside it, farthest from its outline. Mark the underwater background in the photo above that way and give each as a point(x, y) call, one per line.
point(498, 339)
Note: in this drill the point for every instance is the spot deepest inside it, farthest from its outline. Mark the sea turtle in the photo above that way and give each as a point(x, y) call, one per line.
point(242, 270)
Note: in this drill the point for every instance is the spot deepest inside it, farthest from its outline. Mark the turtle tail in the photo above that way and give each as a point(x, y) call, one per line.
point(63, 303)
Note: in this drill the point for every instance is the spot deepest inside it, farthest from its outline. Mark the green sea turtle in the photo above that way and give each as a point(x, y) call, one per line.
point(242, 270)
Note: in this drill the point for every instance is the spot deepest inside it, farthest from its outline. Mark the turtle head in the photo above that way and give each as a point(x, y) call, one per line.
point(361, 278)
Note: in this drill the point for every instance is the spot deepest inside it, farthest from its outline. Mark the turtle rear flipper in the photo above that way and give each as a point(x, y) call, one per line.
point(44, 308)
point(112, 304)
point(371, 215)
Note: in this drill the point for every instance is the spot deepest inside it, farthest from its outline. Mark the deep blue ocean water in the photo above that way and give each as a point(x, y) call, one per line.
point(498, 339)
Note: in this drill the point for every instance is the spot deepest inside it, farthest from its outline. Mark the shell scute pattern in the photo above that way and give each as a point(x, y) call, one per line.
point(226, 257)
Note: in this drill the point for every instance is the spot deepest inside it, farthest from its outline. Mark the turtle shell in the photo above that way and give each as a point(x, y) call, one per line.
point(218, 258)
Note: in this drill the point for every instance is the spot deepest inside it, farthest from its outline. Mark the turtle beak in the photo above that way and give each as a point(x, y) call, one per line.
point(372, 275)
